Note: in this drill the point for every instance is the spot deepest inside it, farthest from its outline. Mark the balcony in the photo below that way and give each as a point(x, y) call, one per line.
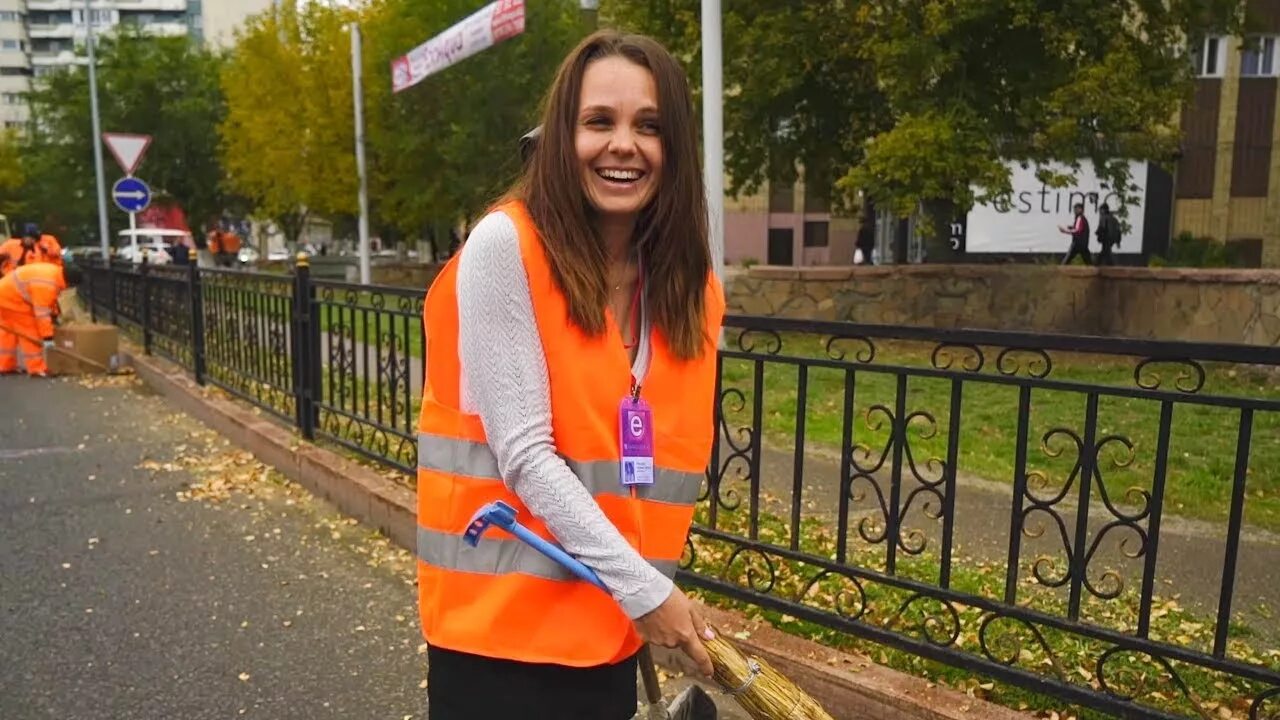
point(163, 29)
point(54, 5)
point(51, 30)
point(169, 5)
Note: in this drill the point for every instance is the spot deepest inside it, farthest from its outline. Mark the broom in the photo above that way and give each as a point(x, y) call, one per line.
point(763, 692)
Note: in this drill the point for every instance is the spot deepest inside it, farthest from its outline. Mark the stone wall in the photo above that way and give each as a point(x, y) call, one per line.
point(1231, 306)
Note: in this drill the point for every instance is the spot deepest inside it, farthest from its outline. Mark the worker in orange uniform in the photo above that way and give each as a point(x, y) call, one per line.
point(28, 310)
point(32, 247)
point(230, 248)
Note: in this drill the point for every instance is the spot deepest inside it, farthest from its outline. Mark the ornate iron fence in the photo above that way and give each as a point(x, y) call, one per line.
point(1088, 518)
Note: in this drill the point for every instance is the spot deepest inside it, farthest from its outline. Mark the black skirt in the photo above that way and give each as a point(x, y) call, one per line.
point(461, 686)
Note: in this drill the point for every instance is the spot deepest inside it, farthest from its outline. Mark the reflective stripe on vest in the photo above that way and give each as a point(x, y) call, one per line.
point(498, 556)
point(25, 292)
point(601, 477)
point(22, 288)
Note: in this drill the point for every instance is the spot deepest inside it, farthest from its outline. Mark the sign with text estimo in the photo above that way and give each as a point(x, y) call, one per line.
point(488, 26)
point(1027, 221)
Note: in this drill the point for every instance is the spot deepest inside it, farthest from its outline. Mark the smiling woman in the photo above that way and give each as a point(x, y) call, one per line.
point(571, 374)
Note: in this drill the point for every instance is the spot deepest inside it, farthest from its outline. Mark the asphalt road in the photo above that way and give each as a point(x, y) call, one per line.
point(119, 600)
point(150, 570)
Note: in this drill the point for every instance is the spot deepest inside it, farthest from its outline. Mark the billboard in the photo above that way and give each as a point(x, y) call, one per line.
point(1027, 220)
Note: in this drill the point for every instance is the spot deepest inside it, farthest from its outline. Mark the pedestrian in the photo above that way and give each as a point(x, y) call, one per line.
point(33, 247)
point(28, 312)
point(574, 331)
point(865, 243)
point(1109, 234)
point(1079, 232)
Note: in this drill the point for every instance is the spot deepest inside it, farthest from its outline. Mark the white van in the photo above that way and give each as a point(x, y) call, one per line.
point(160, 244)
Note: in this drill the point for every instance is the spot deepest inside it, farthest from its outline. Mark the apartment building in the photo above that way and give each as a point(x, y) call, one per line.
point(222, 18)
point(15, 64)
point(39, 36)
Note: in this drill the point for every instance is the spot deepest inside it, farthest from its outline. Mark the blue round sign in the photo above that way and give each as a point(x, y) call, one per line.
point(131, 194)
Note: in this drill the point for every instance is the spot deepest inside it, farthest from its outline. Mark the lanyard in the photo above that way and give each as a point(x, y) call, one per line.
point(636, 302)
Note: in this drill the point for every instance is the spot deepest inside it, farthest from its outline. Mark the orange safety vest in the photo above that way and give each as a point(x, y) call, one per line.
point(502, 599)
point(34, 289)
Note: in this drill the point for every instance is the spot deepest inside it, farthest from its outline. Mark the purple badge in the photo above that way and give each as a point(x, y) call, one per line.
point(635, 433)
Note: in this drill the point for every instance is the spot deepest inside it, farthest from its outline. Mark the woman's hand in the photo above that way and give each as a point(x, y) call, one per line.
point(677, 623)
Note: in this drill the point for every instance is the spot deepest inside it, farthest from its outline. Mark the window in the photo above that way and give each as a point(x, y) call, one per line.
point(11, 98)
point(14, 124)
point(42, 70)
point(100, 17)
point(1258, 57)
point(9, 16)
point(815, 233)
point(10, 45)
point(1211, 57)
point(782, 197)
point(817, 189)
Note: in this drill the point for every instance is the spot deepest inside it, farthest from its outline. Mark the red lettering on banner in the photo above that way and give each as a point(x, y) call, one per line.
point(508, 19)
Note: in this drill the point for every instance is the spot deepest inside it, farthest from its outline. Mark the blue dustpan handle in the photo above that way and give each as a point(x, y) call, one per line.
point(554, 552)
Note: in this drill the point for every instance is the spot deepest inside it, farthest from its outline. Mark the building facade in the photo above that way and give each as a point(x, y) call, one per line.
point(787, 223)
point(39, 36)
point(1227, 182)
point(222, 18)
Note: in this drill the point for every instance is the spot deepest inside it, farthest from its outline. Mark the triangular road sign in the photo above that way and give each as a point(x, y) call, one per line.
point(128, 149)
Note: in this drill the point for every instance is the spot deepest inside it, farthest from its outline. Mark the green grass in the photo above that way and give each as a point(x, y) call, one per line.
point(1064, 656)
point(1203, 439)
point(396, 323)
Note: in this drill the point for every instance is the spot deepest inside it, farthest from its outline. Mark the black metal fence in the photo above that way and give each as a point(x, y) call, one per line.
point(1097, 520)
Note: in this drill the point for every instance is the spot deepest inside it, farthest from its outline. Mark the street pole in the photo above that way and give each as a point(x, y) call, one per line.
point(103, 232)
point(358, 96)
point(590, 14)
point(713, 129)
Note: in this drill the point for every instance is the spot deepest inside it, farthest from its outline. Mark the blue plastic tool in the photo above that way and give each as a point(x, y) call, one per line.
point(504, 516)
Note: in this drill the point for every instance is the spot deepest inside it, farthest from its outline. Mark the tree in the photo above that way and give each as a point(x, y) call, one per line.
point(797, 92)
point(12, 178)
point(288, 139)
point(442, 150)
point(924, 102)
point(980, 83)
point(163, 87)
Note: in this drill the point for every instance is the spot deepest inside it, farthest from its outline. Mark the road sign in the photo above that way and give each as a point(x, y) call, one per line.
point(131, 194)
point(127, 148)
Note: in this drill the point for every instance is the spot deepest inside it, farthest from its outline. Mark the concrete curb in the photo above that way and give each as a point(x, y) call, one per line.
point(849, 686)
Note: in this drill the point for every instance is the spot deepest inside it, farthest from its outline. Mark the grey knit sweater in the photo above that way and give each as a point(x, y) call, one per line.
point(504, 381)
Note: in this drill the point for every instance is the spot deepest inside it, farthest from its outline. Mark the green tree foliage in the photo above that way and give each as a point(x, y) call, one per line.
point(797, 89)
point(163, 87)
point(444, 149)
point(922, 102)
point(12, 178)
point(288, 140)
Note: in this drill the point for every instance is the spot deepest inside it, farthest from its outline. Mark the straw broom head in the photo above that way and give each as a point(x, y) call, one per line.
point(762, 691)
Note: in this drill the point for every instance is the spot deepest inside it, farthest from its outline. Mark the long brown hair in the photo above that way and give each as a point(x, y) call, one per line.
point(671, 230)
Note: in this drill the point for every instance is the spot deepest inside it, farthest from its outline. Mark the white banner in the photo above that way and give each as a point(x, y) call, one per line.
point(1028, 220)
point(485, 28)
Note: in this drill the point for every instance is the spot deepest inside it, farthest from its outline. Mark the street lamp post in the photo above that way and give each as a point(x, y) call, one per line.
point(97, 136)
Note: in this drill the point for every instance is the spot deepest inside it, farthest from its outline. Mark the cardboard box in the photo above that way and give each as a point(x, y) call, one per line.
point(99, 343)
